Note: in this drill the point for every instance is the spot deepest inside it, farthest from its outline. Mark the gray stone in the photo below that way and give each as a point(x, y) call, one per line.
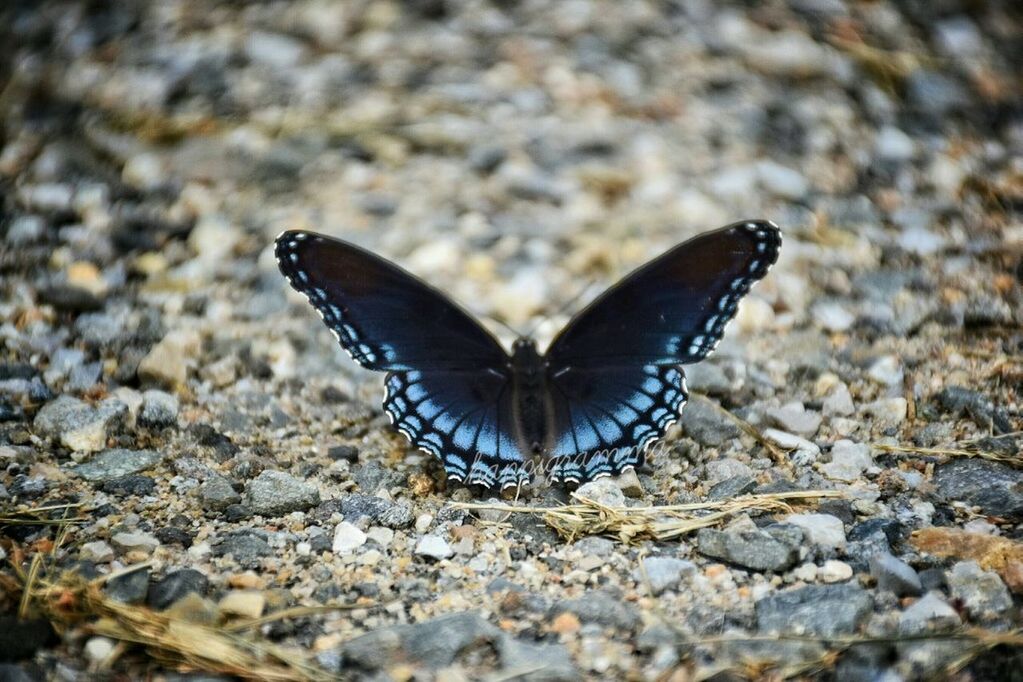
point(84, 376)
point(774, 548)
point(895, 575)
point(216, 493)
point(823, 530)
point(997, 489)
point(894, 145)
point(176, 585)
point(348, 538)
point(848, 461)
point(275, 493)
point(822, 610)
point(159, 408)
point(77, 425)
point(795, 418)
point(598, 606)
point(117, 463)
point(434, 643)
point(398, 516)
point(732, 487)
point(663, 573)
point(434, 547)
point(131, 542)
point(982, 592)
point(535, 662)
point(246, 549)
point(804, 452)
point(957, 399)
point(128, 588)
point(97, 551)
point(602, 491)
point(782, 182)
point(930, 613)
point(705, 423)
point(832, 316)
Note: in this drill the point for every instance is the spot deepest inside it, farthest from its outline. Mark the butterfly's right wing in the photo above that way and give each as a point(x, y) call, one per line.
point(383, 317)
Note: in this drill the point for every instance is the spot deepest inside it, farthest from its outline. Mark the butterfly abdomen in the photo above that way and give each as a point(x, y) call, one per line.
point(528, 390)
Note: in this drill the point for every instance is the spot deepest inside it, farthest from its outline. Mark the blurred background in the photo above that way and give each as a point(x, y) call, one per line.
point(517, 155)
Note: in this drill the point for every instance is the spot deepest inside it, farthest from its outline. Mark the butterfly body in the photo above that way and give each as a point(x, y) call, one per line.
point(608, 385)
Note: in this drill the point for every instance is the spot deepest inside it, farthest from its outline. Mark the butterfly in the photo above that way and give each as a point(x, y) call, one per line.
point(608, 385)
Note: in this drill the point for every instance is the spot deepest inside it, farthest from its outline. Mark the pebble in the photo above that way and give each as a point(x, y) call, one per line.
point(602, 491)
point(821, 610)
point(77, 425)
point(832, 316)
point(275, 493)
point(894, 575)
point(982, 592)
point(216, 493)
point(245, 548)
point(158, 409)
point(805, 452)
point(930, 613)
point(167, 363)
point(774, 548)
point(347, 538)
point(795, 418)
point(838, 402)
point(995, 488)
point(886, 370)
point(97, 551)
point(433, 547)
point(782, 182)
point(175, 585)
point(128, 588)
point(834, 571)
point(98, 649)
point(118, 463)
point(244, 603)
point(130, 542)
point(894, 145)
point(599, 607)
point(664, 573)
point(823, 530)
point(848, 461)
point(705, 423)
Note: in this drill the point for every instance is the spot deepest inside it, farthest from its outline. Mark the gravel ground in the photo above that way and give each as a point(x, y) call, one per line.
point(156, 370)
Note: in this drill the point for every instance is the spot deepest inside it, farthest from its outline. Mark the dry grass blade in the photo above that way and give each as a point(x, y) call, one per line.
point(174, 641)
point(633, 524)
point(914, 451)
point(42, 516)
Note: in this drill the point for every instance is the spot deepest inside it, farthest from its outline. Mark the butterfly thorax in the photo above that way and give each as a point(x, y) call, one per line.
point(528, 379)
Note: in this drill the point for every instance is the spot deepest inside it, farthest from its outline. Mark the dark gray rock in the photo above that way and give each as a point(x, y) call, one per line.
point(732, 487)
point(275, 493)
point(774, 548)
point(895, 575)
point(159, 408)
point(20, 639)
point(117, 463)
point(129, 588)
point(216, 493)
point(133, 484)
point(707, 424)
point(371, 476)
point(435, 643)
point(246, 549)
point(601, 607)
point(534, 662)
point(982, 592)
point(996, 488)
point(28, 487)
point(822, 610)
point(398, 516)
point(985, 413)
point(176, 585)
point(349, 453)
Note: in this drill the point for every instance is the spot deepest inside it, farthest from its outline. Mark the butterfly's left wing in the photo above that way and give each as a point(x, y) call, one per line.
point(614, 379)
point(448, 386)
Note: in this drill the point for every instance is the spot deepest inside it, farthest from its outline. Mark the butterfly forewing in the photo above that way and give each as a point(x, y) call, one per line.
point(674, 309)
point(384, 317)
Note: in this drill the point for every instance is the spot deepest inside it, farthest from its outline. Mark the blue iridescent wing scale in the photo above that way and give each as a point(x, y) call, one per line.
point(447, 386)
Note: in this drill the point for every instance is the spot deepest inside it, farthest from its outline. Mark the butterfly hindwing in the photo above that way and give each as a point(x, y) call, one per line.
point(603, 420)
point(463, 418)
point(383, 317)
point(674, 309)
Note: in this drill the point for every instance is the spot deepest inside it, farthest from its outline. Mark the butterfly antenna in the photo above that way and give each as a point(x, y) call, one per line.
point(563, 307)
